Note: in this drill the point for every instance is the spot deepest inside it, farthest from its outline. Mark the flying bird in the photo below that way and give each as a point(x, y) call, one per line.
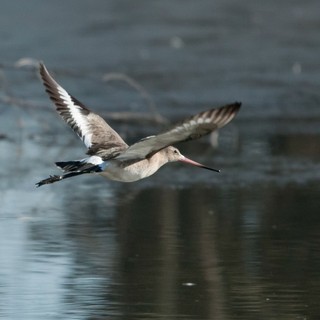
point(110, 156)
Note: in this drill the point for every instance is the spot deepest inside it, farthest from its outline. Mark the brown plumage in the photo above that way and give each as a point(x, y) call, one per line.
point(110, 156)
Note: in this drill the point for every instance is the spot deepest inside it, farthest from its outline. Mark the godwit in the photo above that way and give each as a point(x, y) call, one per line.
point(110, 156)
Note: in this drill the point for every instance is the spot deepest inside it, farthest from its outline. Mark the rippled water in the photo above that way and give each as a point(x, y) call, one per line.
point(196, 252)
point(185, 243)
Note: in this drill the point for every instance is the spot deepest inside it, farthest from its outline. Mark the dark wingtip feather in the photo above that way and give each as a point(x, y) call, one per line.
point(231, 109)
point(41, 65)
point(42, 69)
point(238, 104)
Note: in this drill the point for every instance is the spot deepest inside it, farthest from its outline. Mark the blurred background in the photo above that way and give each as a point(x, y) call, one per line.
point(185, 243)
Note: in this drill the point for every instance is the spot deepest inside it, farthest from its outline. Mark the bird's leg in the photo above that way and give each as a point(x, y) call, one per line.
point(49, 180)
point(56, 178)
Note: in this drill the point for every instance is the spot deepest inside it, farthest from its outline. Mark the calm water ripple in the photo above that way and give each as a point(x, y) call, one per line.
point(184, 244)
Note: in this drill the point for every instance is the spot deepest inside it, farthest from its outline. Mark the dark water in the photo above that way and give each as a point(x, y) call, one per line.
point(185, 243)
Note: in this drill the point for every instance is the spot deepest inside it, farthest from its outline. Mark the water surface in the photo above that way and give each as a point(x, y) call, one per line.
point(185, 243)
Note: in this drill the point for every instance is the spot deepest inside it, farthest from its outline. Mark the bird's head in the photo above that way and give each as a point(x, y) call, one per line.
point(173, 154)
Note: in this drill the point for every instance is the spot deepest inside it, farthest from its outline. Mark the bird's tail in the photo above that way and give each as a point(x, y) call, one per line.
point(75, 168)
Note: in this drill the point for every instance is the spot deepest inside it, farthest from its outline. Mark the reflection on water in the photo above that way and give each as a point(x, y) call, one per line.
point(198, 253)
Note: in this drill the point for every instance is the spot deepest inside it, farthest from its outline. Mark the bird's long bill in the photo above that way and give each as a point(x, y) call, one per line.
point(197, 164)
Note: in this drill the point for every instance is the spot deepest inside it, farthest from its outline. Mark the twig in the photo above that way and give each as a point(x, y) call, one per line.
point(30, 64)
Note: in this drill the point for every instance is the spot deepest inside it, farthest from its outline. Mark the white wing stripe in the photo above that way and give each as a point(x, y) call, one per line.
point(76, 116)
point(96, 134)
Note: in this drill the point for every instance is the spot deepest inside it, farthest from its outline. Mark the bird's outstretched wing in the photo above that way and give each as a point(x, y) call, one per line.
point(96, 134)
point(191, 128)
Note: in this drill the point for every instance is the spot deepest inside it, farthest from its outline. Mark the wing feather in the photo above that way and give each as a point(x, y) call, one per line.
point(191, 128)
point(96, 134)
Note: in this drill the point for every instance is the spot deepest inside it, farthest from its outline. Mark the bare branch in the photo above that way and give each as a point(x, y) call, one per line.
point(31, 65)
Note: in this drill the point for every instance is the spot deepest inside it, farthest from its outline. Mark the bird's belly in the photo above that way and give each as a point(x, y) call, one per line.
point(131, 173)
point(118, 176)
